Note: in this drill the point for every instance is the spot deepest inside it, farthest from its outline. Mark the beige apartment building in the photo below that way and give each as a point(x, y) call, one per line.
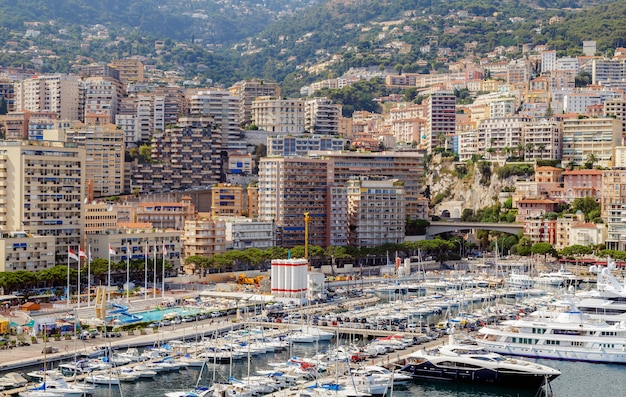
point(104, 147)
point(56, 93)
point(592, 136)
point(278, 116)
point(376, 212)
point(130, 70)
point(42, 188)
point(227, 200)
point(203, 237)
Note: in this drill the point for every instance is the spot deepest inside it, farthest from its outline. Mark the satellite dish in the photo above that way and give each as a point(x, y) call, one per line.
point(110, 208)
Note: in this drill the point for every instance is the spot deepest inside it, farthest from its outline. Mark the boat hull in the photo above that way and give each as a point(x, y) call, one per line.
point(426, 370)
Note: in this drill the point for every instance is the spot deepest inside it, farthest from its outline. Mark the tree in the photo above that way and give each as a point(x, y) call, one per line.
point(591, 160)
point(542, 249)
point(588, 206)
point(198, 264)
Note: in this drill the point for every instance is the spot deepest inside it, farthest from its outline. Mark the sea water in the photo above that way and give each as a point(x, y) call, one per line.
point(577, 379)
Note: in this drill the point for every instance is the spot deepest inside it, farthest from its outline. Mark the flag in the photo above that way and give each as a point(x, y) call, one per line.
point(72, 254)
point(164, 250)
point(112, 251)
point(81, 253)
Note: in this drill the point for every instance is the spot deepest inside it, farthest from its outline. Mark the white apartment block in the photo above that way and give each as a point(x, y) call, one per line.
point(223, 107)
point(301, 145)
point(101, 96)
point(321, 116)
point(606, 70)
point(542, 140)
point(42, 186)
point(278, 116)
point(245, 233)
point(467, 144)
point(376, 212)
point(58, 93)
point(577, 102)
point(495, 136)
point(616, 222)
point(583, 137)
point(568, 63)
point(407, 111)
point(501, 108)
point(548, 61)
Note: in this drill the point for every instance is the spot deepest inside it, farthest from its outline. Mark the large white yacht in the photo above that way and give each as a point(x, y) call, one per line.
point(473, 363)
point(570, 335)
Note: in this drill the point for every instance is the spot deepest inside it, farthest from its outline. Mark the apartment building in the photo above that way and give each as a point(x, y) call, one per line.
point(104, 147)
point(376, 212)
point(581, 184)
point(407, 167)
point(102, 96)
point(42, 188)
point(289, 188)
point(139, 242)
point(278, 116)
point(227, 200)
point(165, 215)
point(321, 116)
point(301, 145)
point(440, 120)
point(100, 218)
point(337, 211)
point(497, 137)
point(7, 95)
point(542, 140)
point(617, 108)
point(613, 190)
point(130, 70)
point(607, 70)
point(56, 93)
point(24, 251)
point(541, 230)
point(223, 107)
point(594, 136)
point(247, 91)
point(616, 226)
point(244, 233)
point(186, 156)
point(204, 237)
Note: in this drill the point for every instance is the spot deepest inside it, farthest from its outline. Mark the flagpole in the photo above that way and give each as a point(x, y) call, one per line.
point(154, 283)
point(128, 274)
point(163, 274)
point(78, 281)
point(145, 272)
point(67, 294)
point(89, 276)
point(109, 271)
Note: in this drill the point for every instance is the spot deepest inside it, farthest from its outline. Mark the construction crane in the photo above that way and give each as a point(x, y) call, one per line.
point(307, 220)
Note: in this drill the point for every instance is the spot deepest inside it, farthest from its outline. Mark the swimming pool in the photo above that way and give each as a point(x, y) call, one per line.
point(159, 314)
point(153, 315)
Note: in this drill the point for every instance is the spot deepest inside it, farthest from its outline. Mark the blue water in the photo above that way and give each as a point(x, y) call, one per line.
point(158, 315)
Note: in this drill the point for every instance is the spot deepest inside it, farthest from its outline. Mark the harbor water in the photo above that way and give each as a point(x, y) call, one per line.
point(577, 379)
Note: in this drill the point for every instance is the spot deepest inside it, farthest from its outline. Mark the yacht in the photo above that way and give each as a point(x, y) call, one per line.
point(474, 364)
point(570, 335)
point(519, 280)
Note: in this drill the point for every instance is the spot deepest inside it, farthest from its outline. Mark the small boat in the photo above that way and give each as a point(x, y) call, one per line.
point(12, 380)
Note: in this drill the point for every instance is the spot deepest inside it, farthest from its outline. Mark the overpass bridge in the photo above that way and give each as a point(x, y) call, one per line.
point(436, 228)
